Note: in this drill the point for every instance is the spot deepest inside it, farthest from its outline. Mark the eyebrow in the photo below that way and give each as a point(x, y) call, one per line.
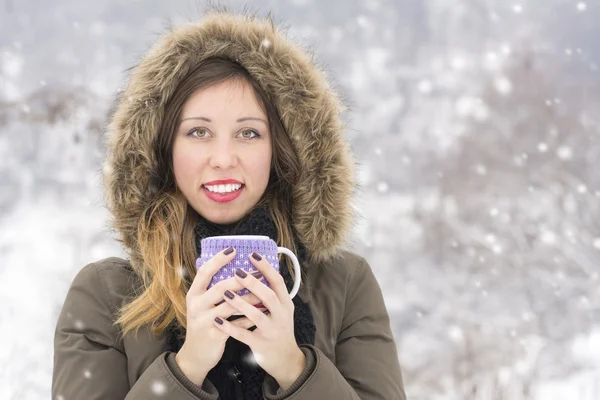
point(239, 120)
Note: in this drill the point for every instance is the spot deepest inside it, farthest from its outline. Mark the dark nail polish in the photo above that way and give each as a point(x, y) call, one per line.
point(241, 273)
point(229, 295)
point(256, 256)
point(219, 321)
point(219, 303)
point(228, 251)
point(257, 275)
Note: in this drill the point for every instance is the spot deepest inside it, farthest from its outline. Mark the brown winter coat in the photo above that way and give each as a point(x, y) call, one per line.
point(354, 355)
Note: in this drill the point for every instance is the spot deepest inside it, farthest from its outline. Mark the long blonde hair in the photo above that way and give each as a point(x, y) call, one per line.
point(166, 227)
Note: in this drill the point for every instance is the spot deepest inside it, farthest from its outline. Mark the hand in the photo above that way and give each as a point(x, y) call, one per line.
point(204, 344)
point(272, 342)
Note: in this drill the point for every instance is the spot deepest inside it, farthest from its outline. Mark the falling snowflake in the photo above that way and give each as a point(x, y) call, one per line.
point(265, 44)
point(584, 300)
point(542, 147)
point(564, 153)
point(249, 359)
point(12, 64)
point(481, 169)
point(582, 188)
point(425, 86)
point(518, 8)
point(458, 63)
point(87, 373)
point(382, 187)
point(182, 271)
point(158, 388)
point(548, 237)
point(596, 243)
point(503, 85)
point(79, 325)
point(494, 212)
point(581, 6)
point(456, 333)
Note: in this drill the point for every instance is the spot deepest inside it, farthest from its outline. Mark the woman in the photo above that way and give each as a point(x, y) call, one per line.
point(226, 128)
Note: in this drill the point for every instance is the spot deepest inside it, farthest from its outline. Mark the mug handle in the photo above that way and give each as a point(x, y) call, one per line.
point(297, 273)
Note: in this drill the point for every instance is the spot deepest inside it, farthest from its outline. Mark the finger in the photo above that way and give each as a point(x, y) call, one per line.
point(243, 335)
point(226, 310)
point(273, 277)
point(248, 297)
point(243, 323)
point(209, 269)
point(266, 294)
point(215, 294)
point(251, 312)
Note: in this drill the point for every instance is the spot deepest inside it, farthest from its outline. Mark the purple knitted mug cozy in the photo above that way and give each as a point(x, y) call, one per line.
point(244, 246)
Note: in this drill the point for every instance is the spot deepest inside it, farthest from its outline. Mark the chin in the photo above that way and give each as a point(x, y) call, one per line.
point(223, 218)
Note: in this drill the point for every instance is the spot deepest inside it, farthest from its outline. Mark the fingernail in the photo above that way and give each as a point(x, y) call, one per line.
point(228, 251)
point(229, 295)
point(257, 275)
point(219, 321)
point(241, 273)
point(256, 256)
point(219, 303)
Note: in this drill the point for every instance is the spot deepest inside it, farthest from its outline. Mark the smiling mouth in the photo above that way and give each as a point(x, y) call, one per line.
point(224, 189)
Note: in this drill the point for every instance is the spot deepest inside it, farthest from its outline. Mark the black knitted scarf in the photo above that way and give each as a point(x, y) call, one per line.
point(257, 222)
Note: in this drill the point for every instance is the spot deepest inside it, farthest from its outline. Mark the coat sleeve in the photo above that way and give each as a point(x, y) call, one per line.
point(366, 360)
point(89, 362)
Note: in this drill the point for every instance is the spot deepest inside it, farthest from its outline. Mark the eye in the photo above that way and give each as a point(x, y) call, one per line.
point(198, 132)
point(247, 134)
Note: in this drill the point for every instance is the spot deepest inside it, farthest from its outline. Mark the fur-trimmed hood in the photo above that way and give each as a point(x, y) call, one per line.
point(309, 109)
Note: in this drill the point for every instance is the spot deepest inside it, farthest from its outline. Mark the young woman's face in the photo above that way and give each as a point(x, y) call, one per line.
point(222, 151)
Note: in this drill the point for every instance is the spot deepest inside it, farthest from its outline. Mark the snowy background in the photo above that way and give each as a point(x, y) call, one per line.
point(476, 126)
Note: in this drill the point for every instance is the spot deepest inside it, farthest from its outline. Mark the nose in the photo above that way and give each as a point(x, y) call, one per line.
point(224, 154)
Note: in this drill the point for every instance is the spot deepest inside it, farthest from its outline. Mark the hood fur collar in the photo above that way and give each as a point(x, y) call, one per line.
point(310, 112)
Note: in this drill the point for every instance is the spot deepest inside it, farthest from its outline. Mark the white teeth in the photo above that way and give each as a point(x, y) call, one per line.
point(223, 188)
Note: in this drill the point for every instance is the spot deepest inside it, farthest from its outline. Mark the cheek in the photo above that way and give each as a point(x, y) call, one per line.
point(264, 166)
point(183, 165)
